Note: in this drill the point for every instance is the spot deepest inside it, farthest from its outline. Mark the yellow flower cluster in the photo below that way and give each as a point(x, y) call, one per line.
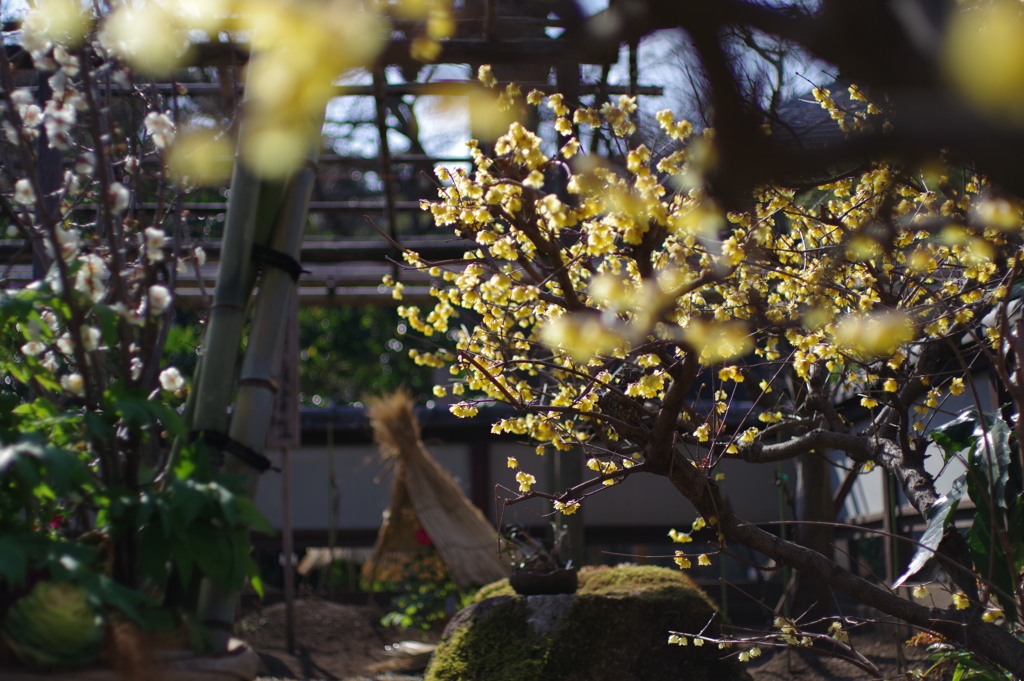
point(587, 287)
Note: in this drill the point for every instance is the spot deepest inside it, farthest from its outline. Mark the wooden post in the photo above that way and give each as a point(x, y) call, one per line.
point(332, 491)
point(288, 548)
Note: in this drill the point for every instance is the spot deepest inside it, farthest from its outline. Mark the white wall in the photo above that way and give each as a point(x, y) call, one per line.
point(355, 467)
point(643, 499)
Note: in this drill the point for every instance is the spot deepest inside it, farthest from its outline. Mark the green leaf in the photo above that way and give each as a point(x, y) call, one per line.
point(938, 515)
point(168, 417)
point(253, 572)
point(956, 435)
point(992, 456)
point(252, 513)
point(133, 411)
point(98, 427)
point(988, 556)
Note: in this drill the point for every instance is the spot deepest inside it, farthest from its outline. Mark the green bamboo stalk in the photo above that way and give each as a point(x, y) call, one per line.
point(236, 276)
point(254, 403)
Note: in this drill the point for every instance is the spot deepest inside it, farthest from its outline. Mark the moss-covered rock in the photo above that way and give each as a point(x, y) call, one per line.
point(615, 628)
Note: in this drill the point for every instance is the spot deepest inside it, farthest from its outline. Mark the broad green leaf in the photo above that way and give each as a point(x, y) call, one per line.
point(992, 456)
point(956, 435)
point(938, 514)
point(988, 556)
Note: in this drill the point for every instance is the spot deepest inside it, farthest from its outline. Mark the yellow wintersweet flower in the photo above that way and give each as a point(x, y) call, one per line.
point(957, 386)
point(463, 409)
point(525, 480)
point(992, 615)
point(568, 508)
point(730, 373)
point(681, 560)
point(920, 591)
point(486, 76)
point(961, 601)
point(512, 462)
point(702, 559)
point(679, 537)
point(868, 402)
point(890, 385)
point(699, 524)
point(702, 433)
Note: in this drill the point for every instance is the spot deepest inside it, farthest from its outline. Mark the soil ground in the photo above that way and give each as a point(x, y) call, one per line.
point(336, 642)
point(332, 641)
point(801, 665)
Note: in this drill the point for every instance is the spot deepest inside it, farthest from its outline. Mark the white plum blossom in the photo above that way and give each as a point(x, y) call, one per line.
point(23, 192)
point(60, 118)
point(118, 195)
point(159, 299)
point(31, 115)
point(33, 37)
point(200, 256)
point(136, 368)
point(85, 164)
point(69, 243)
point(51, 320)
point(72, 184)
point(22, 97)
point(133, 317)
point(171, 380)
point(74, 384)
point(32, 348)
point(161, 128)
point(59, 84)
point(91, 337)
point(154, 240)
point(68, 62)
point(50, 362)
point(90, 276)
point(65, 345)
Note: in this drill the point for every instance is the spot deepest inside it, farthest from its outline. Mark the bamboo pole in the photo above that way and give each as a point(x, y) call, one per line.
point(288, 548)
point(257, 386)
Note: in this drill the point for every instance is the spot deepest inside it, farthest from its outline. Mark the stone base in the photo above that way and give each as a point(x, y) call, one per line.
point(615, 628)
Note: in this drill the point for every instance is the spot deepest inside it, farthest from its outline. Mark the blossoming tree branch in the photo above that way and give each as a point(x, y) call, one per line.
point(621, 309)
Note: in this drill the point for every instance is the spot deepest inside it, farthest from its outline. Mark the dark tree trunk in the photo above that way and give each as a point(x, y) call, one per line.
point(814, 503)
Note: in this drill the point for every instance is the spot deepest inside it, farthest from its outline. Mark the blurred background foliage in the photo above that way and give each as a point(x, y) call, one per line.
point(346, 353)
